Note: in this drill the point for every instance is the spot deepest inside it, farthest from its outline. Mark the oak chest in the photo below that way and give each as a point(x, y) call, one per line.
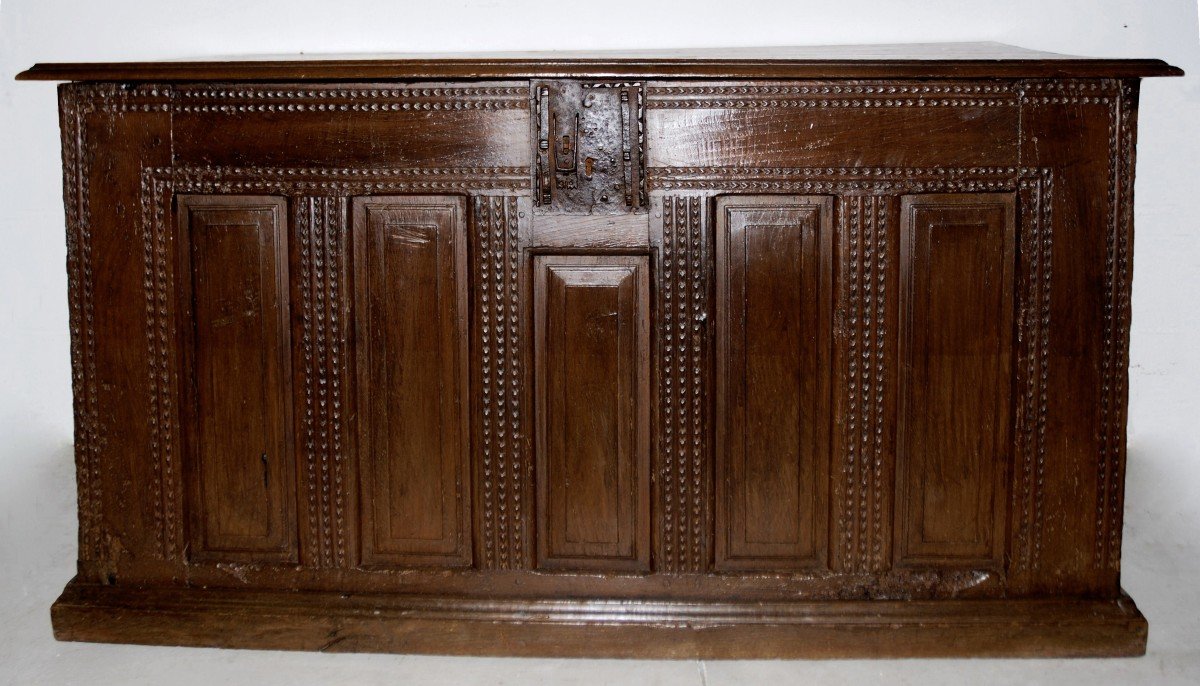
point(808, 352)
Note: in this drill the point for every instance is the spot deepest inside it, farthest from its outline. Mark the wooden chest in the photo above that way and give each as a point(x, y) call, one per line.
point(739, 354)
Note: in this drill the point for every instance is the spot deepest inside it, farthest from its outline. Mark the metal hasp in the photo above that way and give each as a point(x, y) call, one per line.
point(588, 157)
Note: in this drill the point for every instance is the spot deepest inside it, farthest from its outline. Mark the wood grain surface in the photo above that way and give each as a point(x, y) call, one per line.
point(823, 354)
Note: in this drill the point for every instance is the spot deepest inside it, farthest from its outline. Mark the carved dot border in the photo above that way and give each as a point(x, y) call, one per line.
point(821, 95)
point(842, 179)
point(337, 181)
point(108, 97)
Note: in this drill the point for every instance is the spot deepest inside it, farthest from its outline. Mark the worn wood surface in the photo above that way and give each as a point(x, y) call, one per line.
point(413, 405)
point(917, 60)
point(956, 264)
point(773, 287)
point(592, 379)
point(243, 504)
point(749, 367)
point(571, 628)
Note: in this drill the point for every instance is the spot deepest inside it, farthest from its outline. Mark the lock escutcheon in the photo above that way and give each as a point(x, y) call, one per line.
point(589, 156)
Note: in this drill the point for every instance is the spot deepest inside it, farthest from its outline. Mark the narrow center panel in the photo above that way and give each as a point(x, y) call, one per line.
point(592, 388)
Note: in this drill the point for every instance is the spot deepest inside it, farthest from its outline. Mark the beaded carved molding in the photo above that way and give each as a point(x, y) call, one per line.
point(859, 509)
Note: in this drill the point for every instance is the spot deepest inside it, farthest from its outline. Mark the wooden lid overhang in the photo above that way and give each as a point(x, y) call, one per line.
point(925, 61)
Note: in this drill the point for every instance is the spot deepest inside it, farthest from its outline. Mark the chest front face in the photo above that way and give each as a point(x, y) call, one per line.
point(735, 341)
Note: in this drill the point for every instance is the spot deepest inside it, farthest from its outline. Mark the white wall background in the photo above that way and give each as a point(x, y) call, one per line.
point(37, 529)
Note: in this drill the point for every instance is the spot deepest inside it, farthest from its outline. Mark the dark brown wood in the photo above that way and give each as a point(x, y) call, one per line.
point(876, 133)
point(819, 354)
point(592, 375)
point(915, 60)
point(242, 500)
point(773, 267)
point(956, 264)
point(586, 232)
point(411, 256)
point(572, 628)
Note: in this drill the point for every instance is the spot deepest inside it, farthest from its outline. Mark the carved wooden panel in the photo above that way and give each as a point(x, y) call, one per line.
point(823, 124)
point(865, 350)
point(773, 294)
point(416, 127)
point(1122, 149)
point(243, 496)
point(1032, 282)
point(323, 365)
point(955, 355)
point(123, 408)
point(411, 262)
point(683, 445)
point(500, 383)
point(1080, 370)
point(592, 381)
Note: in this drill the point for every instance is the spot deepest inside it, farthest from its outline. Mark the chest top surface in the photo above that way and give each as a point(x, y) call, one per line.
point(917, 60)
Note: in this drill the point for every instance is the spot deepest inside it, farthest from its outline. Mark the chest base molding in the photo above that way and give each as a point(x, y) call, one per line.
point(598, 628)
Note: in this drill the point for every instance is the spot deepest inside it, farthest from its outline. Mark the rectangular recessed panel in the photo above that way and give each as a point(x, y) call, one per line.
point(592, 382)
point(243, 491)
point(411, 301)
point(773, 338)
point(955, 347)
point(824, 131)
